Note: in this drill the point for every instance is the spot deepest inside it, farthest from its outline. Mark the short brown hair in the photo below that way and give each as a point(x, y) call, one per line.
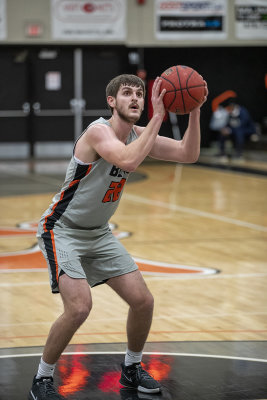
point(124, 79)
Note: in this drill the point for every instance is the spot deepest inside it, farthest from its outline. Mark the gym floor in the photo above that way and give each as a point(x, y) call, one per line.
point(198, 234)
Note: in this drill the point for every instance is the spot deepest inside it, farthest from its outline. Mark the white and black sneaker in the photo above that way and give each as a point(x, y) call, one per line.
point(43, 389)
point(134, 376)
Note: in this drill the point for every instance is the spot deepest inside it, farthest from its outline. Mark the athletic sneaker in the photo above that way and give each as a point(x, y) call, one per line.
point(134, 376)
point(43, 389)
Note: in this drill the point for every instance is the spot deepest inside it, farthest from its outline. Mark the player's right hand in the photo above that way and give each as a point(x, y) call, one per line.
point(157, 98)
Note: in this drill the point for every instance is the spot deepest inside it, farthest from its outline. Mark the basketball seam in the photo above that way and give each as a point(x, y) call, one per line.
point(170, 91)
point(180, 88)
point(192, 87)
point(192, 97)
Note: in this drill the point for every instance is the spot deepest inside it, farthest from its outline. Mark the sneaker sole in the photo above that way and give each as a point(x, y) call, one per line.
point(145, 390)
point(127, 385)
point(139, 388)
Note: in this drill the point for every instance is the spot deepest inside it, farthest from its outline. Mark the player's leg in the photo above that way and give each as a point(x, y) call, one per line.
point(132, 288)
point(76, 297)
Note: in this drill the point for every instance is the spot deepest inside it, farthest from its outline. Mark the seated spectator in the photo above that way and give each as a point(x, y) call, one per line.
point(233, 121)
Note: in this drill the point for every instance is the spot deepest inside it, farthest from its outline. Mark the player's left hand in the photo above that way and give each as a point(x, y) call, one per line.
point(206, 93)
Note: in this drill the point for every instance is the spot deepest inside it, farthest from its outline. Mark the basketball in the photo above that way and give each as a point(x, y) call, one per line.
point(185, 89)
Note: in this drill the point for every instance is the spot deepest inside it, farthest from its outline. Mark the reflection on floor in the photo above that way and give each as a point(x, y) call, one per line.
point(44, 176)
point(92, 372)
point(24, 177)
point(252, 162)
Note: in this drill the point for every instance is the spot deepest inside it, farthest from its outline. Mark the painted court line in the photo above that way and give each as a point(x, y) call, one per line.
point(19, 270)
point(205, 214)
point(20, 284)
point(147, 353)
point(214, 276)
point(151, 332)
point(158, 318)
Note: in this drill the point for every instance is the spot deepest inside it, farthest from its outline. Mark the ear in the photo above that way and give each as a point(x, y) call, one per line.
point(111, 101)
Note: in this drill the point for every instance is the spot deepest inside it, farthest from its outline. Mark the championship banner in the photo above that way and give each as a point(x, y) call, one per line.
point(3, 33)
point(251, 19)
point(97, 20)
point(190, 19)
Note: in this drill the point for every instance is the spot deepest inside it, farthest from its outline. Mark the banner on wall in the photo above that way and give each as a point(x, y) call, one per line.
point(2, 19)
point(190, 19)
point(96, 20)
point(251, 19)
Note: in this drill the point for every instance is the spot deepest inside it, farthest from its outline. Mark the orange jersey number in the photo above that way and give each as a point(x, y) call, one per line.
point(114, 191)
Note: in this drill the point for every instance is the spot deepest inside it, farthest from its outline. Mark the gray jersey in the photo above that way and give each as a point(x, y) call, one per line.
point(90, 194)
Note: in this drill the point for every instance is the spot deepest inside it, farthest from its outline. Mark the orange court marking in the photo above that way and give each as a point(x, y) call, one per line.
point(32, 259)
point(7, 232)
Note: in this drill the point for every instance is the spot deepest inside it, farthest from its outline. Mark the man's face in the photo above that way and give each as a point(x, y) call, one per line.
point(129, 103)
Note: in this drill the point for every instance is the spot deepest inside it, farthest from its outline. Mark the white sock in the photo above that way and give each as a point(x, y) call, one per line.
point(45, 369)
point(132, 357)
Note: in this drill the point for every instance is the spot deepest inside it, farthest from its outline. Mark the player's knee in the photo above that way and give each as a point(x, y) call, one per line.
point(149, 301)
point(145, 302)
point(80, 312)
point(80, 316)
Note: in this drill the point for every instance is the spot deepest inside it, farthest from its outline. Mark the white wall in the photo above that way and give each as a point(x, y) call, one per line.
point(140, 26)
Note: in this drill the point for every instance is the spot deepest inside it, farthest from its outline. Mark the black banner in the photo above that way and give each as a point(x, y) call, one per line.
point(190, 24)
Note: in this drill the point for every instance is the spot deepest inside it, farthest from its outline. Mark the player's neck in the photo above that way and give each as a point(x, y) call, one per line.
point(121, 128)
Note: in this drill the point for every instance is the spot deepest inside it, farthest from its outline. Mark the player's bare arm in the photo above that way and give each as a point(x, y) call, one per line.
point(186, 150)
point(107, 142)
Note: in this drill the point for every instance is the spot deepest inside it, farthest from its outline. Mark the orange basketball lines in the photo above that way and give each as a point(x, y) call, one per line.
point(32, 259)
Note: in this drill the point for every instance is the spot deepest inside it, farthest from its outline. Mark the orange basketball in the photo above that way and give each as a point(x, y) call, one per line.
point(185, 89)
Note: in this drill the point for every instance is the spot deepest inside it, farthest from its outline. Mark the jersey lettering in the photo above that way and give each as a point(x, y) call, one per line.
point(114, 191)
point(115, 171)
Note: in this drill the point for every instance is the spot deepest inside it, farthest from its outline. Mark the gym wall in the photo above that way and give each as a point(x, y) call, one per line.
point(34, 113)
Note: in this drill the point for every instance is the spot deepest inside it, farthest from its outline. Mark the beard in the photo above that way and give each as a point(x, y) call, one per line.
point(126, 118)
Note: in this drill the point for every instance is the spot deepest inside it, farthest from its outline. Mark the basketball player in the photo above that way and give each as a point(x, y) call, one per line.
point(75, 237)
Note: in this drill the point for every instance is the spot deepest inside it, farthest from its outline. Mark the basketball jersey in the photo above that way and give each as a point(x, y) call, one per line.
point(90, 194)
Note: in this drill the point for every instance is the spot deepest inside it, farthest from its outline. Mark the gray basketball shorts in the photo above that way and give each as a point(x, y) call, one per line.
point(93, 254)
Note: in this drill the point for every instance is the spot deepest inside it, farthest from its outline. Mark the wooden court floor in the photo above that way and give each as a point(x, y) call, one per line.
point(198, 234)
